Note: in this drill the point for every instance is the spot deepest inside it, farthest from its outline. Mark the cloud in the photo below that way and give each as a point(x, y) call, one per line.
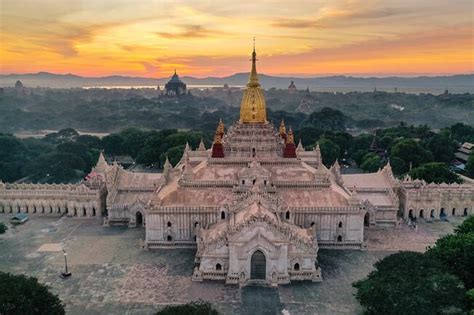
point(190, 31)
point(296, 23)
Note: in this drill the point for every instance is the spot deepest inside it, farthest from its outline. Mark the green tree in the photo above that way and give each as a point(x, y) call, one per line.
point(56, 168)
point(470, 297)
point(63, 135)
point(309, 135)
point(410, 151)
point(470, 166)
point(342, 139)
point(329, 151)
point(435, 173)
point(359, 155)
point(361, 142)
point(462, 133)
point(174, 155)
point(113, 144)
point(79, 150)
point(410, 283)
point(467, 226)
point(327, 119)
point(3, 228)
point(371, 162)
point(398, 165)
point(91, 142)
point(193, 308)
point(133, 141)
point(24, 295)
point(442, 147)
point(456, 252)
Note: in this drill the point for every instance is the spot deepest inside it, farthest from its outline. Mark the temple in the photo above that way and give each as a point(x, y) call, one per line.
point(256, 206)
point(175, 87)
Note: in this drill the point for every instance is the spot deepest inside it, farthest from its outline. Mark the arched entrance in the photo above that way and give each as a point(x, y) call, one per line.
point(442, 214)
point(367, 220)
point(422, 213)
point(258, 266)
point(139, 219)
point(432, 215)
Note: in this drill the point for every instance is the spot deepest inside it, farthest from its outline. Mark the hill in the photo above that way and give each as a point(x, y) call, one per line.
point(460, 83)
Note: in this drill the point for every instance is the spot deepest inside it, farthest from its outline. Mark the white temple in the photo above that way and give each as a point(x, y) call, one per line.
point(256, 206)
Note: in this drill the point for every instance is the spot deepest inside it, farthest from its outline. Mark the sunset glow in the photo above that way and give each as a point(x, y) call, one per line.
point(214, 38)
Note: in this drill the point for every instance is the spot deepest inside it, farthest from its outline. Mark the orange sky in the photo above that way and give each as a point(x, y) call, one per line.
point(214, 38)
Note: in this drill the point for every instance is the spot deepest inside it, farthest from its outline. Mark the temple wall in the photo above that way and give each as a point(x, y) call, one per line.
point(181, 226)
point(38, 199)
point(349, 226)
point(431, 202)
point(182, 230)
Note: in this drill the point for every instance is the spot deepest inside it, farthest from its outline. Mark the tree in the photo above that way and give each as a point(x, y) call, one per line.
point(398, 165)
point(361, 142)
point(327, 119)
point(371, 162)
point(435, 173)
point(359, 155)
point(329, 151)
point(410, 283)
point(79, 150)
point(91, 142)
point(193, 308)
point(456, 252)
point(3, 228)
point(133, 141)
point(309, 135)
point(470, 296)
point(174, 155)
point(56, 168)
point(20, 294)
point(63, 135)
point(462, 132)
point(442, 147)
point(410, 151)
point(466, 227)
point(113, 144)
point(470, 166)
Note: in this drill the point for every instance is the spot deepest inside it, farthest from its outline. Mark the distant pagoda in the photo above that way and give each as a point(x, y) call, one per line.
point(175, 87)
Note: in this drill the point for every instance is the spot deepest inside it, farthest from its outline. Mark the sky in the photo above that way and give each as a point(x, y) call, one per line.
point(214, 38)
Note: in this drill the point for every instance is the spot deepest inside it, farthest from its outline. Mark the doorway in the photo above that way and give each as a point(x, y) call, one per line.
point(258, 266)
point(367, 220)
point(139, 219)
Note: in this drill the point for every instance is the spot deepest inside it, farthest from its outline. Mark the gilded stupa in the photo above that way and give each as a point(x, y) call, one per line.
point(253, 109)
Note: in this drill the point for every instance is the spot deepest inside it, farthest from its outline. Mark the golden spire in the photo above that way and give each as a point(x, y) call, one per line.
point(253, 108)
point(282, 128)
point(220, 127)
point(253, 78)
point(290, 139)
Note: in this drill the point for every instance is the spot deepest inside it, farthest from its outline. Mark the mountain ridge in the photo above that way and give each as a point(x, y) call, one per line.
point(47, 79)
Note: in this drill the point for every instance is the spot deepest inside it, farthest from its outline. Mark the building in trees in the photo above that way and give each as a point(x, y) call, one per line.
point(175, 87)
point(462, 155)
point(292, 87)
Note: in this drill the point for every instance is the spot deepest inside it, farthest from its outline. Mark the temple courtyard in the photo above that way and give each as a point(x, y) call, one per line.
point(111, 274)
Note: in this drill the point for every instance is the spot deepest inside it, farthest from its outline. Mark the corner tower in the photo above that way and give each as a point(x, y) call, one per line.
point(253, 109)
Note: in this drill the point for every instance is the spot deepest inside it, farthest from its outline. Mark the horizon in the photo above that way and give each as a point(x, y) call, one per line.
point(199, 39)
point(292, 76)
